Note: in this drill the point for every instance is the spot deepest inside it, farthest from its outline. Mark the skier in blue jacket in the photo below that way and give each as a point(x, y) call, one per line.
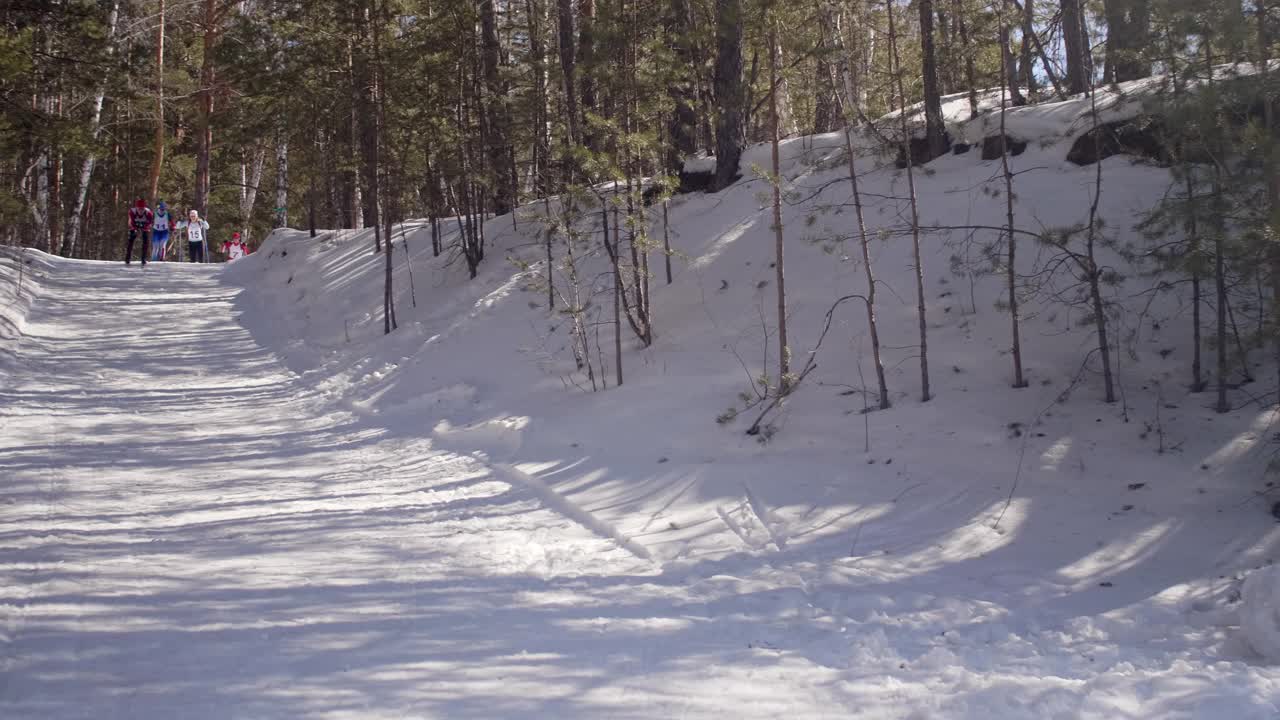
point(160, 231)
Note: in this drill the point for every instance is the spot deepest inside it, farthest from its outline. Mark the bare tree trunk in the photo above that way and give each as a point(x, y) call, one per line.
point(311, 206)
point(549, 237)
point(614, 251)
point(863, 240)
point(249, 188)
point(784, 348)
point(281, 210)
point(915, 213)
point(1010, 237)
point(40, 199)
point(639, 269)
point(787, 125)
point(71, 237)
point(1090, 265)
point(1220, 282)
point(1216, 215)
point(1193, 252)
point(382, 192)
point(865, 243)
point(970, 72)
point(1272, 165)
point(55, 198)
point(666, 240)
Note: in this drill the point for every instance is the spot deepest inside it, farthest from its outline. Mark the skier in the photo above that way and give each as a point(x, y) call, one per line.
point(196, 232)
point(140, 218)
point(234, 248)
point(160, 231)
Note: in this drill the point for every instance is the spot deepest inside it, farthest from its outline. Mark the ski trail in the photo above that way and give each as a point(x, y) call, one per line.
point(765, 516)
point(193, 530)
point(738, 530)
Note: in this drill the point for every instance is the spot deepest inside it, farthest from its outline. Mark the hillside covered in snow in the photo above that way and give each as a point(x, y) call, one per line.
point(466, 518)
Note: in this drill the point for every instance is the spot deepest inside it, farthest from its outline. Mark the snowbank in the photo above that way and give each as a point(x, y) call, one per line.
point(1260, 612)
point(20, 273)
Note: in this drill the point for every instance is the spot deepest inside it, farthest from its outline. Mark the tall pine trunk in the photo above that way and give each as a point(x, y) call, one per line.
point(367, 119)
point(1010, 62)
point(568, 40)
point(587, 58)
point(353, 197)
point(935, 132)
point(376, 20)
point(826, 103)
point(535, 18)
point(1128, 33)
point(157, 159)
point(683, 121)
point(1076, 47)
point(502, 195)
point(204, 106)
point(729, 91)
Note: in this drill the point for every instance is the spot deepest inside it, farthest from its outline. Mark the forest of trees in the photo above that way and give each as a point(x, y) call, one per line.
point(362, 113)
point(345, 113)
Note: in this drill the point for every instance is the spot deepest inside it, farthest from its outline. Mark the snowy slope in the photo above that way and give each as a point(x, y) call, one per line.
point(20, 273)
point(1113, 564)
point(442, 523)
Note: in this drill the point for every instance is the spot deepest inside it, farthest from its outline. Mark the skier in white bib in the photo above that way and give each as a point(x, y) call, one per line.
point(160, 231)
point(197, 232)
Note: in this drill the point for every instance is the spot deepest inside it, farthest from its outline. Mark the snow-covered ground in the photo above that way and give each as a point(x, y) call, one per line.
point(227, 495)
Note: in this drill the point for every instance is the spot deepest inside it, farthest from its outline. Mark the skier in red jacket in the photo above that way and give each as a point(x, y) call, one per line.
point(140, 219)
point(235, 247)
